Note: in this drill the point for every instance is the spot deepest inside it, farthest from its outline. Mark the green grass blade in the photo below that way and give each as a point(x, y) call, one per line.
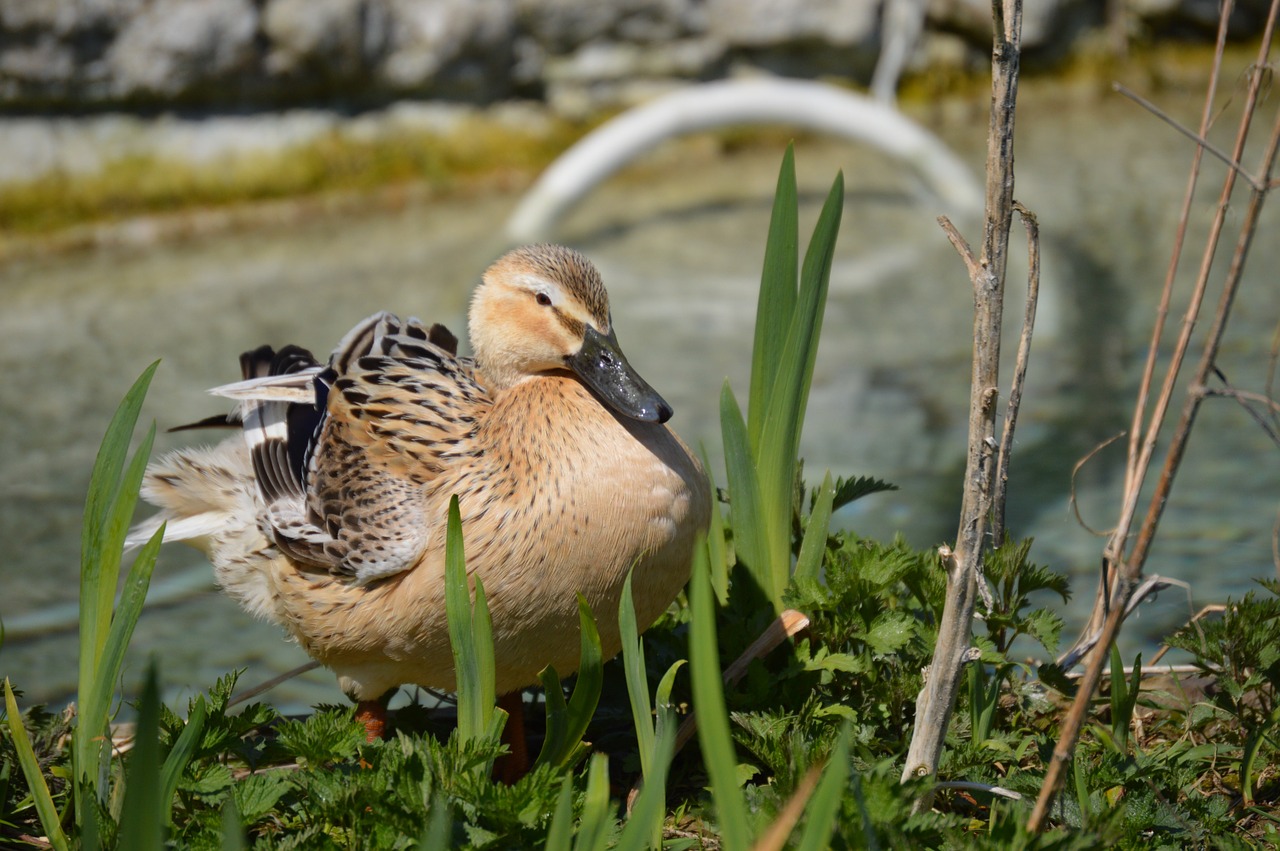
point(1082, 791)
point(144, 815)
point(104, 484)
point(814, 546)
point(486, 664)
point(776, 303)
point(824, 806)
point(1119, 699)
point(593, 827)
point(708, 702)
point(662, 699)
point(31, 770)
point(561, 830)
point(109, 505)
point(716, 549)
point(232, 830)
point(557, 733)
point(633, 667)
point(472, 718)
point(439, 829)
point(784, 420)
point(176, 762)
point(567, 722)
point(744, 498)
point(98, 701)
point(586, 689)
point(644, 826)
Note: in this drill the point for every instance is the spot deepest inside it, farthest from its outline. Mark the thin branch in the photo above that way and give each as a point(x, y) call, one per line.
point(964, 570)
point(1247, 400)
point(1128, 572)
point(1198, 138)
point(250, 693)
point(1019, 373)
point(1075, 471)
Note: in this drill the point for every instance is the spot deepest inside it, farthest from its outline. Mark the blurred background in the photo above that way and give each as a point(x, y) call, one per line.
point(187, 179)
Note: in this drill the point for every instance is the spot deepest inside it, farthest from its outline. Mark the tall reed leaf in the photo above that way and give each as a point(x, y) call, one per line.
point(31, 770)
point(789, 393)
point(637, 677)
point(824, 806)
point(176, 762)
point(596, 822)
point(716, 549)
point(644, 826)
point(814, 545)
point(567, 722)
point(471, 636)
point(776, 302)
point(112, 496)
point(561, 829)
point(709, 707)
point(749, 542)
point(143, 817)
point(788, 326)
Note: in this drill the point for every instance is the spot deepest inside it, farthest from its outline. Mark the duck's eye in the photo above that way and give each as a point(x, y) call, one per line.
point(543, 299)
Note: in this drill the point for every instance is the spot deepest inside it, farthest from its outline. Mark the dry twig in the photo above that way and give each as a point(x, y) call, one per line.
point(963, 564)
point(1122, 573)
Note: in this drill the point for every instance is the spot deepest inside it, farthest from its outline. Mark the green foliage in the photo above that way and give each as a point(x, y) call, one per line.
point(105, 628)
point(471, 637)
point(833, 705)
point(761, 453)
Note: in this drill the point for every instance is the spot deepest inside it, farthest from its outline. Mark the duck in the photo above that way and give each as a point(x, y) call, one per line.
point(327, 513)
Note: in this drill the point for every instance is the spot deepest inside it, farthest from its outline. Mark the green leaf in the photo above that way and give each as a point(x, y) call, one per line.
point(144, 813)
point(713, 719)
point(257, 794)
point(232, 831)
point(561, 829)
point(129, 609)
point(109, 505)
point(856, 488)
point(45, 808)
point(567, 723)
point(644, 827)
point(776, 302)
point(438, 833)
point(824, 806)
point(471, 637)
point(744, 497)
point(557, 711)
point(784, 419)
point(814, 546)
point(715, 540)
point(176, 762)
point(586, 690)
point(890, 632)
point(633, 666)
point(593, 828)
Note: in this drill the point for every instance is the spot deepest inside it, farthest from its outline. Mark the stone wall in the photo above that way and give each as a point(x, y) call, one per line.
point(88, 55)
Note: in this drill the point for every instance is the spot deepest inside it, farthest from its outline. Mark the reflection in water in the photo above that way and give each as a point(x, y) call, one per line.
point(678, 240)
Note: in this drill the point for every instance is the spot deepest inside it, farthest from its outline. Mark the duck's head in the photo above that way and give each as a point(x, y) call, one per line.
point(543, 308)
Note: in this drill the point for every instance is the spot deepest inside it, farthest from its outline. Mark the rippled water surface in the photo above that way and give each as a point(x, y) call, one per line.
point(679, 240)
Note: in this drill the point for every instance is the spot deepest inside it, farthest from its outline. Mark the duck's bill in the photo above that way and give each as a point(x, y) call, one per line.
point(602, 367)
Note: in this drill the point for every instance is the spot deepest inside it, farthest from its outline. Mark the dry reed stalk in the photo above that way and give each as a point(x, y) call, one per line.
point(1123, 575)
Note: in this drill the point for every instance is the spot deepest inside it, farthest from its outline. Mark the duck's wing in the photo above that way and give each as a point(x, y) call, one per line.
point(394, 408)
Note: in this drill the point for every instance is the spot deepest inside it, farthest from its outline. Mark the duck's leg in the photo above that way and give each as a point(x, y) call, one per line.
point(373, 715)
point(513, 765)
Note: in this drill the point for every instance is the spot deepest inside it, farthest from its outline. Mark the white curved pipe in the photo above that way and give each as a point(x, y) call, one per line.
point(814, 106)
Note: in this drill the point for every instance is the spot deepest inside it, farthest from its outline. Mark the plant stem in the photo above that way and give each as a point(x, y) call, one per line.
point(987, 273)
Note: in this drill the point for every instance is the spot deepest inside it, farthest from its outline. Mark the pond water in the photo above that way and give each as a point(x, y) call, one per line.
point(679, 239)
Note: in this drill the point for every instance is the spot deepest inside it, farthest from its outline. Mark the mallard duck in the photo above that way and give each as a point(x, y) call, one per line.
point(327, 515)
